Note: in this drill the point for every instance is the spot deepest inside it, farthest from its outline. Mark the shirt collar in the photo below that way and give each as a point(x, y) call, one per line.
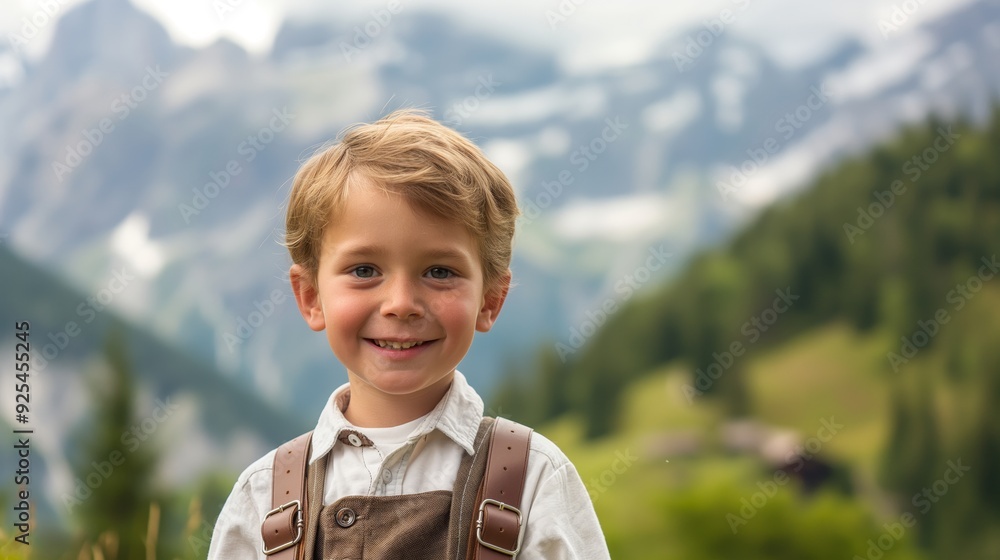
point(457, 416)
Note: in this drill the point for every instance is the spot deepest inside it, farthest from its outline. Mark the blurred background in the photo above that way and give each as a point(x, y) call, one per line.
point(754, 294)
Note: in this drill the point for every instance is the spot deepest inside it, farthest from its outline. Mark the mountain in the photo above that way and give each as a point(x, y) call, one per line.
point(175, 163)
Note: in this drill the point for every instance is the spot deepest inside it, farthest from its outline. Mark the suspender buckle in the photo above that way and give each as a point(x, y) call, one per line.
point(480, 526)
point(299, 525)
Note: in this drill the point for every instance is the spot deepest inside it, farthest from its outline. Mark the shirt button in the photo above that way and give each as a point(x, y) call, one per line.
point(354, 439)
point(346, 517)
point(386, 476)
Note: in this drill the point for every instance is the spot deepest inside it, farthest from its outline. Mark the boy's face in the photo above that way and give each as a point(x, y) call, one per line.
point(400, 294)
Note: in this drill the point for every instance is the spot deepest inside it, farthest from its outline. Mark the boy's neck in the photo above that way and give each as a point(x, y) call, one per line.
point(369, 408)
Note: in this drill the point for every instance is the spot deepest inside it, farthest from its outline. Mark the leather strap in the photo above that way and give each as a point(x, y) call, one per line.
point(283, 527)
point(499, 520)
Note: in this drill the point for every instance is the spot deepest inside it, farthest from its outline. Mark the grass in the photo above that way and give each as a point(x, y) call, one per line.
point(828, 372)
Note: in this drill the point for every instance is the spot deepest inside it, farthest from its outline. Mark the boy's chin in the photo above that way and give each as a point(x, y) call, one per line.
point(403, 383)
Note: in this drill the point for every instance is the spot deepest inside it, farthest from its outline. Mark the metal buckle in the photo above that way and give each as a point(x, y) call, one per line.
point(298, 524)
point(479, 527)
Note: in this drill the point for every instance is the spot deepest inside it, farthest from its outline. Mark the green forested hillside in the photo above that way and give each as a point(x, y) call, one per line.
point(872, 294)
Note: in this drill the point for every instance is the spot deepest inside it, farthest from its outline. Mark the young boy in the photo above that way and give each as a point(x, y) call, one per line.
point(400, 237)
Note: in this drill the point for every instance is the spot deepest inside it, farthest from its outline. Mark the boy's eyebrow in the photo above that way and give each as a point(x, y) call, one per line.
point(378, 250)
point(445, 253)
point(362, 251)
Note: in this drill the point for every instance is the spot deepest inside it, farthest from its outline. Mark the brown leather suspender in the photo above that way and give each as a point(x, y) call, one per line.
point(283, 526)
point(497, 526)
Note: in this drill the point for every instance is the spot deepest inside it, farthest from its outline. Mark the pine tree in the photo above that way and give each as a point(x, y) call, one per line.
point(116, 465)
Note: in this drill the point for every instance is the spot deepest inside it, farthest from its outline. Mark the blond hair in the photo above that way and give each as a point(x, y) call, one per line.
point(433, 167)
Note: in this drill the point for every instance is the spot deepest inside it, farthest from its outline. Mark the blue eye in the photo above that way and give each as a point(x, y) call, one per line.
point(439, 273)
point(364, 271)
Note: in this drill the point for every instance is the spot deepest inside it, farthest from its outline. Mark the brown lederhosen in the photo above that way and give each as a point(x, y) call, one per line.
point(412, 526)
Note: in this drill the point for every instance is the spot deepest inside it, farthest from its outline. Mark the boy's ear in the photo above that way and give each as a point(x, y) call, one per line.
point(492, 303)
point(307, 297)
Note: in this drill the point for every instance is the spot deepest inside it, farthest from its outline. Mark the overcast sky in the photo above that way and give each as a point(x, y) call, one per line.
point(594, 33)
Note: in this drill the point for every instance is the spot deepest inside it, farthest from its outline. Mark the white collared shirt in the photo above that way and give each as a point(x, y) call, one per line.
point(559, 519)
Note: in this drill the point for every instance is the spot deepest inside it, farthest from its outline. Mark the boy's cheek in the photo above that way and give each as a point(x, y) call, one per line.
point(454, 307)
point(342, 314)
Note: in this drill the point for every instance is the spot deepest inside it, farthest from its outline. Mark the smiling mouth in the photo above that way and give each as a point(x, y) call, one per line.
point(397, 345)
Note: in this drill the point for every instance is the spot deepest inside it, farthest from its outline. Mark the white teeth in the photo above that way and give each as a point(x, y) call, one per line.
point(397, 345)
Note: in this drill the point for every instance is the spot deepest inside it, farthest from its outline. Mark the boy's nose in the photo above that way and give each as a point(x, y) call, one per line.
point(402, 300)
